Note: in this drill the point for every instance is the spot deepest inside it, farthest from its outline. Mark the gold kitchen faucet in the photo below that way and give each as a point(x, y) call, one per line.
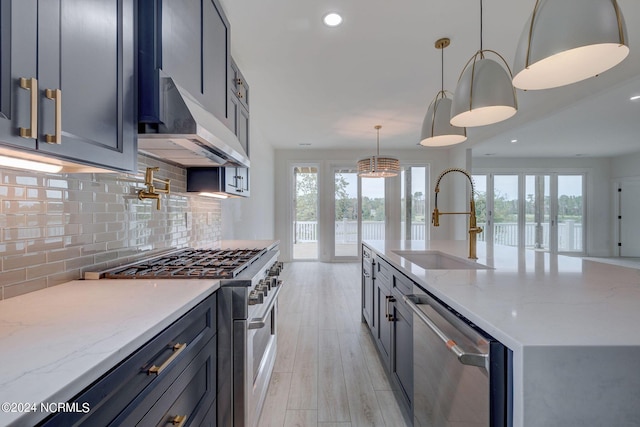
point(474, 230)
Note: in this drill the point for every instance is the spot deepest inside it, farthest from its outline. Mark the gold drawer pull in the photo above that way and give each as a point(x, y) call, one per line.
point(178, 420)
point(55, 95)
point(32, 85)
point(177, 349)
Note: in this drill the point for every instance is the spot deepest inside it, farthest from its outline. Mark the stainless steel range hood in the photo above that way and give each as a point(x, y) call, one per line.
point(189, 134)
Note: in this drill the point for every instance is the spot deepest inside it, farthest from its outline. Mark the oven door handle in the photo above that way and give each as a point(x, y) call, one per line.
point(472, 359)
point(261, 322)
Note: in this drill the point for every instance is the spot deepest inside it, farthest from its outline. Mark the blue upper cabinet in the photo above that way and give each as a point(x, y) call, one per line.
point(187, 40)
point(67, 85)
point(18, 56)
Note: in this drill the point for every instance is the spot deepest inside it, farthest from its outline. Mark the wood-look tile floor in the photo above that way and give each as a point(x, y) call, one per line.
point(327, 373)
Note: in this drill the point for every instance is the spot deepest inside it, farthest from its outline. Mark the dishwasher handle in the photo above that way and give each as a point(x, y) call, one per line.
point(472, 359)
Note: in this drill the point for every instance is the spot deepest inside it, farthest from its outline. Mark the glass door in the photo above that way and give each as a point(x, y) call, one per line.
point(570, 213)
point(346, 230)
point(305, 212)
point(542, 211)
point(504, 212)
point(413, 203)
point(373, 208)
point(538, 212)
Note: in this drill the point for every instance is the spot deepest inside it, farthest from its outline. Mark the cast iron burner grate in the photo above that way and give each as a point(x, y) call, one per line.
point(190, 263)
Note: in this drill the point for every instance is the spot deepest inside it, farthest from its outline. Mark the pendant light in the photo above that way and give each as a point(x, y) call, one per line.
point(484, 94)
point(376, 166)
point(437, 130)
point(568, 41)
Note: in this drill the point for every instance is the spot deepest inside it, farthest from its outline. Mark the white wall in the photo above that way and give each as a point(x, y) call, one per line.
point(253, 218)
point(599, 195)
point(627, 166)
point(285, 159)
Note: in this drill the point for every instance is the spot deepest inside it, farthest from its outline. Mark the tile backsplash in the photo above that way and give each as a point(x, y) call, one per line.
point(53, 227)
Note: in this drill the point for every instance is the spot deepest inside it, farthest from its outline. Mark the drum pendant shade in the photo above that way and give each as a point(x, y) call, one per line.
point(376, 166)
point(437, 130)
point(484, 94)
point(566, 41)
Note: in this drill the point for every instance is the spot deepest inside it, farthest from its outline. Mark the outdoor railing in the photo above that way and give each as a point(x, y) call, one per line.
point(504, 233)
point(347, 231)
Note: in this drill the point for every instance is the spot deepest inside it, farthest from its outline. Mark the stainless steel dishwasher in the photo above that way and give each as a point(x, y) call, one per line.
point(460, 375)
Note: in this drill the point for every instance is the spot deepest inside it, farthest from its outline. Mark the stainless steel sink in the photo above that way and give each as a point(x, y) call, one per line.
point(435, 260)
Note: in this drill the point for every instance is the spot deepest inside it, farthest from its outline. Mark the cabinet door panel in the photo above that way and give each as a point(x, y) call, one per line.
point(243, 128)
point(383, 337)
point(182, 43)
point(216, 59)
point(402, 366)
point(18, 56)
point(367, 292)
point(86, 50)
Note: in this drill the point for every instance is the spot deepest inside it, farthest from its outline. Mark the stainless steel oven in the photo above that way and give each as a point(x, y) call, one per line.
point(461, 375)
point(248, 336)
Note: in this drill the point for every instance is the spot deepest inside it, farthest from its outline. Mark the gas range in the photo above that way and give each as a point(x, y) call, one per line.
point(187, 264)
point(247, 304)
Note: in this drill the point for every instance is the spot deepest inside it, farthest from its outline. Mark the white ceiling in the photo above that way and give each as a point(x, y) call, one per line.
point(328, 87)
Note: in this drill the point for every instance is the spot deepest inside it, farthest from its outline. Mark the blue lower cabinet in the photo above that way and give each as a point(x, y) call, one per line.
point(170, 377)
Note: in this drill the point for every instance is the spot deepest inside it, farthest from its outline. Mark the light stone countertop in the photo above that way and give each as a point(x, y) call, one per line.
point(571, 323)
point(57, 341)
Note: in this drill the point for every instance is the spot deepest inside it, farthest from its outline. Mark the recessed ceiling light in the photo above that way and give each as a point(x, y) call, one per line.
point(514, 141)
point(305, 144)
point(635, 98)
point(332, 19)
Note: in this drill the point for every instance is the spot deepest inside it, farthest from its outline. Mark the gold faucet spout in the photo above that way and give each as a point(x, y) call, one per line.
point(152, 192)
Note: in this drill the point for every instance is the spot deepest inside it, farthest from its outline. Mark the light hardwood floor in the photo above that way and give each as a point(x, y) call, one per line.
point(327, 373)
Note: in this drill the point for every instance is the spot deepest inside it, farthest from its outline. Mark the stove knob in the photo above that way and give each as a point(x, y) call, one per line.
point(263, 288)
point(274, 282)
point(280, 265)
point(263, 284)
point(255, 297)
point(274, 271)
point(266, 282)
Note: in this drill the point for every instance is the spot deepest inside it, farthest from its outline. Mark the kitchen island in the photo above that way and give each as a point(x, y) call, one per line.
point(57, 341)
point(572, 325)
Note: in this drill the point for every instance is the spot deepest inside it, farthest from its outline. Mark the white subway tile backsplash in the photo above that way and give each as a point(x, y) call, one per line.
point(55, 226)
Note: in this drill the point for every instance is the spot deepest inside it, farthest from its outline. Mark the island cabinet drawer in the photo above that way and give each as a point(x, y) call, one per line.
point(142, 377)
point(366, 254)
point(384, 273)
point(402, 283)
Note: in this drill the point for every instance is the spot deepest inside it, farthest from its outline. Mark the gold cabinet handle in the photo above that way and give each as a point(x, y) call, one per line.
point(55, 95)
point(177, 349)
point(239, 95)
point(32, 85)
point(239, 82)
point(178, 420)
